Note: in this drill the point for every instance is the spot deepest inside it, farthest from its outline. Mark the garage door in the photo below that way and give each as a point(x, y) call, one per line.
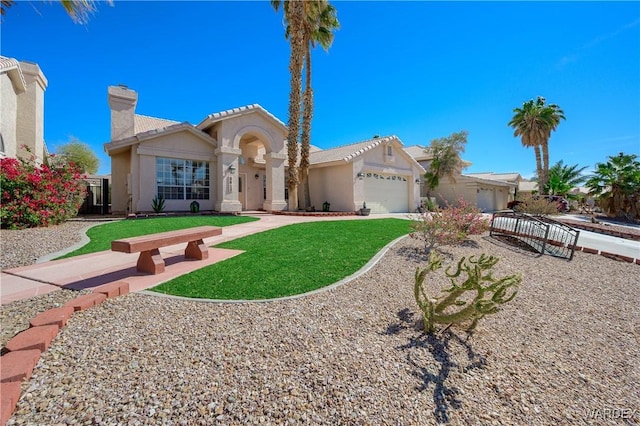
point(485, 200)
point(386, 193)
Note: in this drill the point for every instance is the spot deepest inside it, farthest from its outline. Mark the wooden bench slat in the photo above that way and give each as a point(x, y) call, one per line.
point(163, 239)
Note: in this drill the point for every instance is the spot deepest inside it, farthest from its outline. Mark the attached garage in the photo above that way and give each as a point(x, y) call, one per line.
point(386, 193)
point(378, 172)
point(485, 199)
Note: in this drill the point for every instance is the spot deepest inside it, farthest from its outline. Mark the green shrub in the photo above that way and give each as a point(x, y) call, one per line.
point(157, 204)
point(466, 301)
point(38, 195)
point(449, 226)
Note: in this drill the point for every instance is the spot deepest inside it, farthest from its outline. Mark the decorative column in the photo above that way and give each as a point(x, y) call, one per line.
point(275, 182)
point(227, 180)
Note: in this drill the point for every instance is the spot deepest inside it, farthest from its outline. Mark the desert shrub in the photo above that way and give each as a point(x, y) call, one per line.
point(35, 195)
point(157, 204)
point(448, 226)
point(535, 204)
point(468, 299)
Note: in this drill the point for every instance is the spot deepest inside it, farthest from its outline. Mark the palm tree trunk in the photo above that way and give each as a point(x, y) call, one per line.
point(296, 39)
point(545, 164)
point(307, 115)
point(539, 171)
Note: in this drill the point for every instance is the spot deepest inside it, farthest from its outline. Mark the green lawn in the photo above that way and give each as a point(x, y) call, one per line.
point(290, 260)
point(102, 235)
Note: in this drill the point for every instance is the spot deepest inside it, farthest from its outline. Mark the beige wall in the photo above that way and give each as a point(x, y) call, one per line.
point(483, 195)
point(22, 114)
point(8, 115)
point(120, 169)
point(334, 185)
point(183, 145)
point(30, 115)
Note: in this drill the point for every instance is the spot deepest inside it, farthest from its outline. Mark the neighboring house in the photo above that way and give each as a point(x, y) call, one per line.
point(236, 160)
point(527, 187)
point(488, 191)
point(487, 194)
point(22, 87)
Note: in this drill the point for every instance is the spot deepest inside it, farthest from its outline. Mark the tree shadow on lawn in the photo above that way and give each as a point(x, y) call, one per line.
point(424, 351)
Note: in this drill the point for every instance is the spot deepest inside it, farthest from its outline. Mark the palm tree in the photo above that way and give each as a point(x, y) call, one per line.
point(616, 183)
point(78, 10)
point(534, 122)
point(294, 16)
point(563, 178)
point(320, 22)
point(446, 159)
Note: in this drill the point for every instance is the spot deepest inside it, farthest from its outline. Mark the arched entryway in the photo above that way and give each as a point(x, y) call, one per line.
point(252, 174)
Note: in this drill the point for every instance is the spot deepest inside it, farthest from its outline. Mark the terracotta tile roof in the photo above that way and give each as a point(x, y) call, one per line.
point(347, 153)
point(222, 115)
point(143, 123)
point(11, 67)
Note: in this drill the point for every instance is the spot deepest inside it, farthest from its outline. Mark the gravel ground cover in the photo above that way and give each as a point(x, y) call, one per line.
point(23, 247)
point(564, 351)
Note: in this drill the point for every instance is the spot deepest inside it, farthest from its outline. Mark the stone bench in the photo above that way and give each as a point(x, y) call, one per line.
point(150, 260)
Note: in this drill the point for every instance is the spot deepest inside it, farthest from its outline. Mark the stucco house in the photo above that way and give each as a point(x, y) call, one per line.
point(488, 191)
point(22, 87)
point(236, 160)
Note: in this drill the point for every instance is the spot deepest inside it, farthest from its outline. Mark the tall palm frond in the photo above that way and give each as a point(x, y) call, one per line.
point(534, 123)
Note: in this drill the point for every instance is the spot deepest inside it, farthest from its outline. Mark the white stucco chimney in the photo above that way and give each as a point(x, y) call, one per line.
point(30, 111)
point(122, 102)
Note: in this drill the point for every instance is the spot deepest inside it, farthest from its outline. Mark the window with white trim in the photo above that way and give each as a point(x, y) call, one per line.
point(178, 179)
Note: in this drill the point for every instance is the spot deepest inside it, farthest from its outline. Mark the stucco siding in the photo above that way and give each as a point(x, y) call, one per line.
point(8, 116)
point(120, 166)
point(333, 184)
point(448, 192)
point(181, 145)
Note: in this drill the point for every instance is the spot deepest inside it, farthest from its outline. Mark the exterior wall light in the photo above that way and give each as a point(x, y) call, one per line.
point(257, 176)
point(418, 181)
point(232, 169)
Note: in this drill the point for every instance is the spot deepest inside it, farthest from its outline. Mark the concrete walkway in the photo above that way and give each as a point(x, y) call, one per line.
point(105, 267)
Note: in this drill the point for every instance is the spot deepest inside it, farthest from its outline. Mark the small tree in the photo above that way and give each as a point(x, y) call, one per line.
point(563, 178)
point(80, 154)
point(446, 159)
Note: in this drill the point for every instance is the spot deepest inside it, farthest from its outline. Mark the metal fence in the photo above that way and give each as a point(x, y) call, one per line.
point(540, 233)
point(97, 198)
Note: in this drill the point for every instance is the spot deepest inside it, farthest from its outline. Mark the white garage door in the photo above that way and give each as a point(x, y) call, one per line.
point(386, 193)
point(485, 200)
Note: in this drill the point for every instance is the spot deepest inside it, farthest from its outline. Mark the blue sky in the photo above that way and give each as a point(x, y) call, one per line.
point(419, 70)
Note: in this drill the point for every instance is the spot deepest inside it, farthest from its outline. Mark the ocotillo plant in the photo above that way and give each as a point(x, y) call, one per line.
point(452, 307)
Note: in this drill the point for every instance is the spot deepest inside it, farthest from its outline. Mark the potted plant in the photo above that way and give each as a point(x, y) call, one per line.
point(364, 211)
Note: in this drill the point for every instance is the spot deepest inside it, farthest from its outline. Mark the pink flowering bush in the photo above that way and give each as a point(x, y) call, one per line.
point(35, 196)
point(449, 226)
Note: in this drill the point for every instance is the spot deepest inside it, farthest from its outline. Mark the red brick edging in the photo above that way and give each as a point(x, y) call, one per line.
point(315, 214)
point(25, 348)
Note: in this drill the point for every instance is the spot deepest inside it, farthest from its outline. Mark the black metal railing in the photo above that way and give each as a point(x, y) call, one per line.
point(540, 233)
